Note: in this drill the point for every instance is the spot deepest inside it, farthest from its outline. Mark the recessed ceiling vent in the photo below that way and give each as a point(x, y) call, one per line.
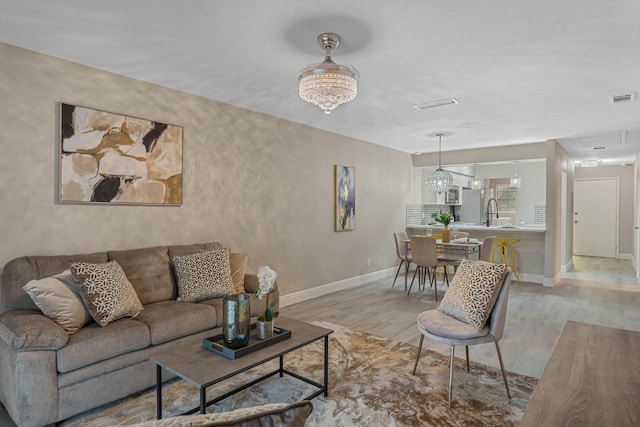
point(618, 99)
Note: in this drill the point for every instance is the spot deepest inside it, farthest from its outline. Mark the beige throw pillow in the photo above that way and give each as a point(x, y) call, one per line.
point(58, 297)
point(203, 275)
point(238, 264)
point(473, 292)
point(106, 291)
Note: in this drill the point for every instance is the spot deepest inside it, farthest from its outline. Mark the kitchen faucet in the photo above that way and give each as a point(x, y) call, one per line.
point(489, 213)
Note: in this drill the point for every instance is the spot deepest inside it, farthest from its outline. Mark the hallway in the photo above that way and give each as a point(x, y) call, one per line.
point(596, 269)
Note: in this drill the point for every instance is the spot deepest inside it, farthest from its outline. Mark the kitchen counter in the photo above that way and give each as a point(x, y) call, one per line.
point(530, 246)
point(477, 227)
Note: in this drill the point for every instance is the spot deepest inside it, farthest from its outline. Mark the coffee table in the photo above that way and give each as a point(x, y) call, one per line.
point(204, 368)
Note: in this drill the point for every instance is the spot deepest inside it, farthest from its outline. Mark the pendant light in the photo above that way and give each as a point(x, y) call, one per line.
point(476, 184)
point(515, 181)
point(440, 180)
point(328, 84)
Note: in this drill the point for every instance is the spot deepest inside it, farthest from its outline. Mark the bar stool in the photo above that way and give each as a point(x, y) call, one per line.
point(504, 245)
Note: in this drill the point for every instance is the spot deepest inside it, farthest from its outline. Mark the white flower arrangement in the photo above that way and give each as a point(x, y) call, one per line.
point(266, 279)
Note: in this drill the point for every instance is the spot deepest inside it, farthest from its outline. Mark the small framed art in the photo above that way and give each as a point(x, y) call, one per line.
point(345, 179)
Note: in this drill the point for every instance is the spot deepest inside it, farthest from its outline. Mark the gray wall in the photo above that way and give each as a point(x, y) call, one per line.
point(253, 182)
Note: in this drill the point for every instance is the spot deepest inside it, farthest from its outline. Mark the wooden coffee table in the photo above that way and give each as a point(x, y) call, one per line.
point(204, 368)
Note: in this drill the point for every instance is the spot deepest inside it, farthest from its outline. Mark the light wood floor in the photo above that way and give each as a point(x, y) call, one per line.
point(535, 317)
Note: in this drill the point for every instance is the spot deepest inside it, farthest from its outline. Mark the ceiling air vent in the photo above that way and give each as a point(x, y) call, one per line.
point(627, 97)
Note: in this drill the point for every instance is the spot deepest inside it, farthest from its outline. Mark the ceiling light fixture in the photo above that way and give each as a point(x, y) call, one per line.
point(476, 183)
point(591, 163)
point(434, 104)
point(515, 181)
point(328, 84)
point(440, 180)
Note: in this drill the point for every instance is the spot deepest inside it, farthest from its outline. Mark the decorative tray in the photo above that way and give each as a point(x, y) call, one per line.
point(216, 343)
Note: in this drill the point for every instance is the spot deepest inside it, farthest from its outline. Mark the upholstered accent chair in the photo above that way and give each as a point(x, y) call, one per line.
point(438, 326)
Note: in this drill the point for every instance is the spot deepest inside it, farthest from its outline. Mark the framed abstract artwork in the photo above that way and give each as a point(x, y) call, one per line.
point(118, 159)
point(345, 179)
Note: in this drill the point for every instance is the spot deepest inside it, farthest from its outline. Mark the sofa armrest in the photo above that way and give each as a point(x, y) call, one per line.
point(29, 330)
point(251, 283)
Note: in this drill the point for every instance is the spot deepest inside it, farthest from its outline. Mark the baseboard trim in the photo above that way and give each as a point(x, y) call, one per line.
point(352, 282)
point(340, 285)
point(625, 256)
point(530, 278)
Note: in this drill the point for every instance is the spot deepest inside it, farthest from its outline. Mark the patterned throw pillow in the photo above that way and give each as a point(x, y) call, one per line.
point(106, 291)
point(203, 275)
point(58, 297)
point(473, 292)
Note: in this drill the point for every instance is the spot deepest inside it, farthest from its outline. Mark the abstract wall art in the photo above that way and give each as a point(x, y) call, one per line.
point(345, 179)
point(118, 159)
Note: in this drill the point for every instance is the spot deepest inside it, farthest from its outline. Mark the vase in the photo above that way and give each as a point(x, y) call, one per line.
point(446, 234)
point(265, 330)
point(236, 324)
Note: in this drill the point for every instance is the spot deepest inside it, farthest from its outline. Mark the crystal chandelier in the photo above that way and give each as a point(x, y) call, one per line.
point(440, 180)
point(328, 84)
point(476, 183)
point(515, 181)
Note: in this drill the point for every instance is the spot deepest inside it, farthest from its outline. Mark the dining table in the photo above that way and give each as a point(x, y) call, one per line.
point(465, 245)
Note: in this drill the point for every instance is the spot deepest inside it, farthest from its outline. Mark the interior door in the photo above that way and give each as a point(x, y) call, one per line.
point(595, 217)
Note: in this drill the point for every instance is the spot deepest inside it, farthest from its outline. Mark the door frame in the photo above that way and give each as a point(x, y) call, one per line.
point(617, 209)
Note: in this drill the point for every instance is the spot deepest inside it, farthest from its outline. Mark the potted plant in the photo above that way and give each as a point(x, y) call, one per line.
point(266, 279)
point(445, 219)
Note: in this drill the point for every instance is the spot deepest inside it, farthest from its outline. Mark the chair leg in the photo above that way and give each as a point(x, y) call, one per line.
point(435, 282)
point(466, 349)
point(504, 375)
point(418, 356)
point(414, 278)
point(451, 374)
point(397, 272)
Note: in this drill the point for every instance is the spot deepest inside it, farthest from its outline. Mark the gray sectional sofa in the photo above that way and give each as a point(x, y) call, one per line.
point(48, 375)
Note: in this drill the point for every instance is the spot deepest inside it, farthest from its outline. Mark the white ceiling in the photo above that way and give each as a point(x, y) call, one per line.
point(523, 71)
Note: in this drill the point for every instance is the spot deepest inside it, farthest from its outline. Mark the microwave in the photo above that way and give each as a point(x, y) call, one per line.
point(452, 195)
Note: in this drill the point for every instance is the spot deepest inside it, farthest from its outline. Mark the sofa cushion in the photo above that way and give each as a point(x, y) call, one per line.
point(168, 320)
point(182, 250)
point(106, 291)
point(203, 275)
point(17, 272)
point(267, 415)
point(238, 264)
point(94, 343)
point(149, 271)
point(473, 292)
point(58, 297)
point(28, 330)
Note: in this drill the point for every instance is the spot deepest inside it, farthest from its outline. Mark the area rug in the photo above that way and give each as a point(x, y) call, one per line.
point(370, 384)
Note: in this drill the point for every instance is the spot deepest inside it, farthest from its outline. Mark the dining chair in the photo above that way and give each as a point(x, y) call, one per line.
point(404, 253)
point(486, 249)
point(424, 252)
point(438, 326)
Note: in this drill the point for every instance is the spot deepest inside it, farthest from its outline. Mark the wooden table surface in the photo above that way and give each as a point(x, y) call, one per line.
point(592, 379)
